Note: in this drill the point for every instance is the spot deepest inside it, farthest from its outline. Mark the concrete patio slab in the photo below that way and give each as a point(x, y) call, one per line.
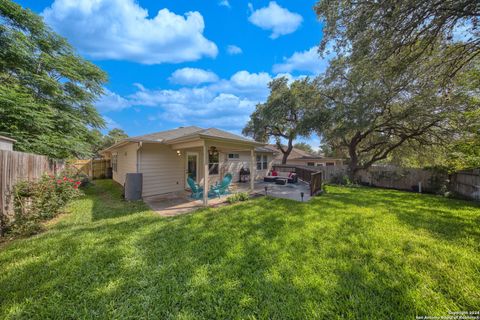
point(173, 204)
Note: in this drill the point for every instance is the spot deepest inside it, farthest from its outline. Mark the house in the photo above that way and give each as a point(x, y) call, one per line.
point(167, 158)
point(6, 143)
point(303, 158)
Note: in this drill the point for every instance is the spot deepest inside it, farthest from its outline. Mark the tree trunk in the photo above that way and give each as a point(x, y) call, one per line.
point(286, 152)
point(353, 168)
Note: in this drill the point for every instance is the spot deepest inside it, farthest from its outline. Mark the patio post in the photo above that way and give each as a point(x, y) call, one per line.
point(252, 169)
point(205, 174)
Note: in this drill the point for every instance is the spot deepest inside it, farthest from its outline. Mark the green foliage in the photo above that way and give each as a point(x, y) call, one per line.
point(304, 146)
point(36, 201)
point(354, 253)
point(341, 179)
point(372, 113)
point(409, 30)
point(408, 75)
point(47, 91)
point(282, 116)
point(237, 197)
point(100, 142)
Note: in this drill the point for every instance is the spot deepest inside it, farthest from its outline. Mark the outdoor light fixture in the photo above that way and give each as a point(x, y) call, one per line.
point(301, 195)
point(212, 151)
point(179, 153)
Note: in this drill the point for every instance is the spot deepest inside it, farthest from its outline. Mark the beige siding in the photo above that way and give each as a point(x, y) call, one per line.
point(163, 169)
point(126, 163)
point(234, 165)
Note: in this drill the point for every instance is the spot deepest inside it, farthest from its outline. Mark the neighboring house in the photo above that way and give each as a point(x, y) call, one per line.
point(167, 158)
point(6, 143)
point(303, 158)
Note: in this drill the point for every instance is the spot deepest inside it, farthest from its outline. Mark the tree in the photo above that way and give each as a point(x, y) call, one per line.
point(304, 146)
point(281, 116)
point(409, 30)
point(373, 113)
point(47, 91)
point(101, 142)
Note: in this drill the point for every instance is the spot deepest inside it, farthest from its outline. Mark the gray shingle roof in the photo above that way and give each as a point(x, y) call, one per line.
point(263, 149)
point(217, 133)
point(185, 132)
point(168, 134)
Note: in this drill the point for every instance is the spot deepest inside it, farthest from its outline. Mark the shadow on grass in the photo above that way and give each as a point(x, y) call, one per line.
point(444, 218)
point(266, 258)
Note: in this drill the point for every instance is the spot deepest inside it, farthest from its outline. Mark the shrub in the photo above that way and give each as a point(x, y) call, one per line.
point(341, 179)
point(35, 201)
point(241, 196)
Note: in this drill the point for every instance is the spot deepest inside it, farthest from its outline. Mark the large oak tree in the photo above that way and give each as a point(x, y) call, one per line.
point(372, 113)
point(408, 30)
point(281, 117)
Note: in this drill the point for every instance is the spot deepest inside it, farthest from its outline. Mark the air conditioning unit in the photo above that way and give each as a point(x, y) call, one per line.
point(133, 186)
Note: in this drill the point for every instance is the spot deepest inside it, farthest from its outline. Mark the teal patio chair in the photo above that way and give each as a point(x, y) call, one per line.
point(222, 188)
point(197, 191)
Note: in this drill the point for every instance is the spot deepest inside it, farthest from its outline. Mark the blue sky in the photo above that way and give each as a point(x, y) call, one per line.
point(177, 63)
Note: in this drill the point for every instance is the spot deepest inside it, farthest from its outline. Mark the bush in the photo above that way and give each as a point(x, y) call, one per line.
point(36, 201)
point(341, 179)
point(241, 196)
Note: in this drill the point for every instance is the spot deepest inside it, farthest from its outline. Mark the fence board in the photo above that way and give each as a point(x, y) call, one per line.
point(95, 169)
point(379, 176)
point(18, 166)
point(466, 183)
point(304, 173)
point(315, 183)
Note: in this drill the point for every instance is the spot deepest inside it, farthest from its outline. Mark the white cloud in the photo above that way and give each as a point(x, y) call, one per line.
point(275, 18)
point(110, 124)
point(253, 86)
point(110, 101)
point(233, 50)
point(307, 61)
point(122, 30)
point(245, 79)
point(226, 103)
point(192, 76)
point(224, 3)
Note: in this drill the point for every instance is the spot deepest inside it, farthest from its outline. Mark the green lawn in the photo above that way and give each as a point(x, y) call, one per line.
point(356, 253)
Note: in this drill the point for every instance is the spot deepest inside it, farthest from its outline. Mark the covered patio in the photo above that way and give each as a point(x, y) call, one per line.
point(206, 159)
point(180, 203)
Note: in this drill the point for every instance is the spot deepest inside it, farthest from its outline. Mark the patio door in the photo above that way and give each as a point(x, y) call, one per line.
point(191, 167)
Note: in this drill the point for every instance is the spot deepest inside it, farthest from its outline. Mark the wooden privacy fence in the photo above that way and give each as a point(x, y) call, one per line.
point(466, 183)
point(410, 179)
point(307, 174)
point(19, 166)
point(95, 169)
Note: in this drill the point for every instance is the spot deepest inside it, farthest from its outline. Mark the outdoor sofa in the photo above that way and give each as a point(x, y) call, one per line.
point(274, 175)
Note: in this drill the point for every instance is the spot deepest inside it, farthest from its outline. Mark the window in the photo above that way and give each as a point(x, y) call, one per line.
point(233, 156)
point(262, 162)
point(114, 162)
point(265, 162)
point(213, 163)
point(330, 163)
point(320, 164)
point(310, 164)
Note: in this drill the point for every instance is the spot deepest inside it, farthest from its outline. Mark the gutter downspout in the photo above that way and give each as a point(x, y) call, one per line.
point(139, 155)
